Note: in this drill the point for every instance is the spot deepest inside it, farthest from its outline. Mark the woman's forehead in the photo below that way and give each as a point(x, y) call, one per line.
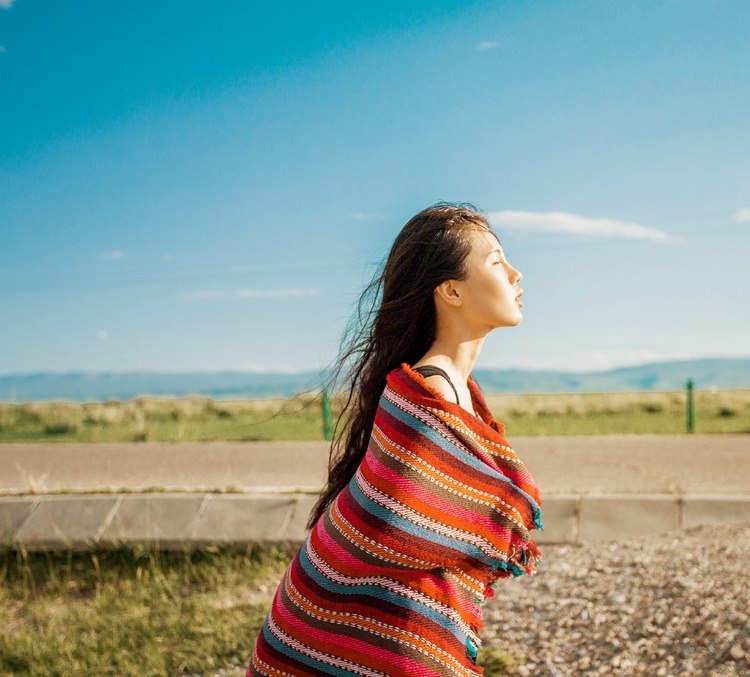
point(485, 242)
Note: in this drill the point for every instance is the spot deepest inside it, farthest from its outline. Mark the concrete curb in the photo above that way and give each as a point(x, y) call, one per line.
point(199, 520)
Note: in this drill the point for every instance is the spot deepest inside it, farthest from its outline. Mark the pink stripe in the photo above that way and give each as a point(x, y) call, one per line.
point(402, 482)
point(338, 552)
point(516, 516)
point(387, 583)
point(427, 522)
point(332, 639)
point(435, 420)
point(308, 651)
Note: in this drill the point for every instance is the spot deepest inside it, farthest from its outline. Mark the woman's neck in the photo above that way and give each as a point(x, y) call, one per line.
point(455, 357)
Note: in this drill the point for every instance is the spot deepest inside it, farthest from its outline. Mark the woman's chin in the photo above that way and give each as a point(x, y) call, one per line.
point(512, 321)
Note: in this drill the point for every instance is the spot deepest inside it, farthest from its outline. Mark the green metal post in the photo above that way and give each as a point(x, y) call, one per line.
point(690, 408)
point(327, 418)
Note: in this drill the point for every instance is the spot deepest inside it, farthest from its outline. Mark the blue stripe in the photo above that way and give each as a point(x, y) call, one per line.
point(466, 457)
point(379, 592)
point(406, 525)
point(319, 666)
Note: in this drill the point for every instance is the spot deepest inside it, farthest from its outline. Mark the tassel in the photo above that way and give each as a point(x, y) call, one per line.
point(471, 650)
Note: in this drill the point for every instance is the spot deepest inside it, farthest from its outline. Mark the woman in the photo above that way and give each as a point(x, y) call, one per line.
point(426, 503)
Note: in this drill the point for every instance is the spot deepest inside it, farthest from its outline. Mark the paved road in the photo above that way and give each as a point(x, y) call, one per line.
point(697, 464)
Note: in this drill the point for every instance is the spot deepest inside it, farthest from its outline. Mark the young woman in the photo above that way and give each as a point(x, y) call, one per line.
point(426, 503)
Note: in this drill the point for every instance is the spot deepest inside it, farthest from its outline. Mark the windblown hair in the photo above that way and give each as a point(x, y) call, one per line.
point(395, 322)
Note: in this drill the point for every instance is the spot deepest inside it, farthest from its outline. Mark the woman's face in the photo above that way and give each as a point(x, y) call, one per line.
point(491, 295)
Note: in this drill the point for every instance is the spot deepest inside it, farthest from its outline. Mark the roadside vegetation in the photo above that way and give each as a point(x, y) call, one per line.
point(143, 613)
point(154, 419)
point(133, 612)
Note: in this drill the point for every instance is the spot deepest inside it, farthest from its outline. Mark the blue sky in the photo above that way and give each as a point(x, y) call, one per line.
point(193, 185)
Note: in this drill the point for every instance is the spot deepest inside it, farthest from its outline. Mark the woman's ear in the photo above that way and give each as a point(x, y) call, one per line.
point(448, 292)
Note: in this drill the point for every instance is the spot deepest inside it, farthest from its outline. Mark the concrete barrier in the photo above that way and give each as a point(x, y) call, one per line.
point(60, 496)
point(178, 521)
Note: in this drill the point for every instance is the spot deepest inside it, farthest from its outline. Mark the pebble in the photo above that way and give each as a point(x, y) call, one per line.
point(675, 604)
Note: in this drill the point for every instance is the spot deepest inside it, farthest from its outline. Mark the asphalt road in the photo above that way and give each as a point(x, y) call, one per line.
point(643, 464)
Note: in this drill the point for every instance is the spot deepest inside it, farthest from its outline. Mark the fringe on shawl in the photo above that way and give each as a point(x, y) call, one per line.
point(484, 439)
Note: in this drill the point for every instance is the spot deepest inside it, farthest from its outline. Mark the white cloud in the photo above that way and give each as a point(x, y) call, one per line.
point(562, 222)
point(268, 368)
point(102, 334)
point(287, 292)
point(364, 216)
point(5, 4)
point(2, 48)
point(484, 45)
point(742, 216)
point(112, 255)
point(167, 257)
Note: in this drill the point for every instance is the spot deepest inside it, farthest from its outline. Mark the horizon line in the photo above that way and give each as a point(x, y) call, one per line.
point(320, 370)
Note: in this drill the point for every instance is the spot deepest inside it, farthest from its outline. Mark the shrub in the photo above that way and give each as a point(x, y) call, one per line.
point(60, 428)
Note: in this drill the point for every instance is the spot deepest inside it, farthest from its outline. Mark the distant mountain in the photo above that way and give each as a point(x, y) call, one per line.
point(707, 373)
point(82, 386)
point(101, 386)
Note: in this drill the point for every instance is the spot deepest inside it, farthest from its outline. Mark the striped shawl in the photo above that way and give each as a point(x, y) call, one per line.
point(391, 578)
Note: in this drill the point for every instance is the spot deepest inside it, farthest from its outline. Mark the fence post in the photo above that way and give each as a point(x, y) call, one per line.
point(327, 418)
point(690, 408)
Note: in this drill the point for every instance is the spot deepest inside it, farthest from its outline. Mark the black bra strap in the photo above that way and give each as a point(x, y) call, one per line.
point(430, 370)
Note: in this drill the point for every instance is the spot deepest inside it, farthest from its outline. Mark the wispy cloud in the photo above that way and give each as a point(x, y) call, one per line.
point(112, 255)
point(2, 48)
point(742, 216)
point(5, 4)
point(575, 224)
point(286, 292)
point(167, 257)
point(364, 216)
point(102, 335)
point(484, 45)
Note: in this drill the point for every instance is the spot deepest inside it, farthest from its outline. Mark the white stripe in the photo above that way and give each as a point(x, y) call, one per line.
point(324, 613)
point(319, 655)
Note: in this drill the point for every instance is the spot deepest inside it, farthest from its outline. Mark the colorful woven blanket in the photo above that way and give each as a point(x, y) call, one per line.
point(391, 578)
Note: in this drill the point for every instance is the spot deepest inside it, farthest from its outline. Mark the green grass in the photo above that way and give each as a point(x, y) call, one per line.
point(160, 420)
point(133, 613)
point(201, 419)
point(143, 613)
point(721, 411)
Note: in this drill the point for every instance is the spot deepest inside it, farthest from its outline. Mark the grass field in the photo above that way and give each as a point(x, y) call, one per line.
point(165, 613)
point(130, 613)
point(142, 613)
point(299, 418)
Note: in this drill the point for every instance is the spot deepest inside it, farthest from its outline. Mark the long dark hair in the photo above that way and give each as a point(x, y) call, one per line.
point(394, 323)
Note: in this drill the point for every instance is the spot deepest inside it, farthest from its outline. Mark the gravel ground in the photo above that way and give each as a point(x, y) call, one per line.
point(674, 604)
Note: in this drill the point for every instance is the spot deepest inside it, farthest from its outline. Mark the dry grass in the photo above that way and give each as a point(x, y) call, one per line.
point(300, 418)
point(719, 411)
point(143, 613)
point(133, 612)
point(162, 419)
